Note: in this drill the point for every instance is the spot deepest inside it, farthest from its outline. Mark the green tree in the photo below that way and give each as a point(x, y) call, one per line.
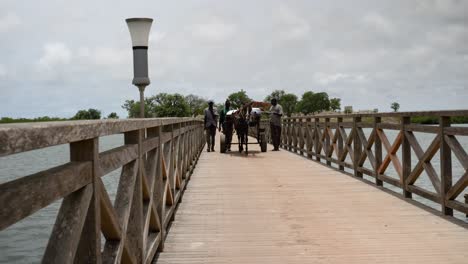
point(196, 104)
point(170, 105)
point(289, 103)
point(348, 109)
point(36, 119)
point(395, 106)
point(322, 101)
point(313, 102)
point(335, 104)
point(88, 114)
point(278, 94)
point(113, 115)
point(287, 100)
point(133, 108)
point(238, 99)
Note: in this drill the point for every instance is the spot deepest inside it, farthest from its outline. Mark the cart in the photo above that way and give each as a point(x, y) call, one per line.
point(255, 129)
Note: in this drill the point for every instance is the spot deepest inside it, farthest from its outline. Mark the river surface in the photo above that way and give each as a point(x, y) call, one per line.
point(25, 241)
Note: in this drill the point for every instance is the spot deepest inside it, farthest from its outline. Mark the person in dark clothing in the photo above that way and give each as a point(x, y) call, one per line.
point(211, 121)
point(226, 126)
point(276, 111)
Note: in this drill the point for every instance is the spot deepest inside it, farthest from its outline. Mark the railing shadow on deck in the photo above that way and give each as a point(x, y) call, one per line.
point(340, 142)
point(156, 162)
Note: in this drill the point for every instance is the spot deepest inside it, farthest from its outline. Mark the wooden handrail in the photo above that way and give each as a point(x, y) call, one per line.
point(157, 160)
point(327, 139)
point(448, 113)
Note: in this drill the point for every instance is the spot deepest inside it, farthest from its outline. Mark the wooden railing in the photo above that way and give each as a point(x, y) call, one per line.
point(339, 141)
point(156, 161)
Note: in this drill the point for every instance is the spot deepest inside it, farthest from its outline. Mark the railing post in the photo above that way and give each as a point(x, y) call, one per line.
point(327, 140)
point(378, 151)
point(284, 134)
point(445, 165)
point(339, 120)
point(357, 147)
point(89, 248)
point(405, 156)
point(295, 134)
point(159, 183)
point(135, 222)
point(300, 135)
point(466, 201)
point(289, 135)
point(317, 139)
point(309, 141)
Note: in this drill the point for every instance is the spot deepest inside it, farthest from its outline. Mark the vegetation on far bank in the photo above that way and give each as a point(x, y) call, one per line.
point(84, 114)
point(178, 105)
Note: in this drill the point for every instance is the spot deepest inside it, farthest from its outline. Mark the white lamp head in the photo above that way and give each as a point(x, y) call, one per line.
point(139, 30)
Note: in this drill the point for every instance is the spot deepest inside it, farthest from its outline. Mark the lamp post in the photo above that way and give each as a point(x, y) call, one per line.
point(139, 31)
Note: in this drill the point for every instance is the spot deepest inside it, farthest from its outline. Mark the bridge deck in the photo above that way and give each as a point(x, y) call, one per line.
point(276, 207)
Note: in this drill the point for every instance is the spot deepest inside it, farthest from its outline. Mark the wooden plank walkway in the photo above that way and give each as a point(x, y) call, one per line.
point(276, 207)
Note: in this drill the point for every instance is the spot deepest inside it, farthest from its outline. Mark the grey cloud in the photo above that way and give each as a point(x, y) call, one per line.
point(369, 53)
point(9, 21)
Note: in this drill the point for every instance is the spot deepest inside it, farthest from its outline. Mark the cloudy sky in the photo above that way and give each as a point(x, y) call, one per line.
point(57, 57)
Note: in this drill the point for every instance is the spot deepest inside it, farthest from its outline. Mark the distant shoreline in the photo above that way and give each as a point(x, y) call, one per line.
point(425, 120)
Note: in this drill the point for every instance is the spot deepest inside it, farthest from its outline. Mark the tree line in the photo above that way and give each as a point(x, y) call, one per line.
point(177, 105)
point(84, 114)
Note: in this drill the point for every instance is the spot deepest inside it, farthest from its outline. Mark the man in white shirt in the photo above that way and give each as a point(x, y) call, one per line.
point(276, 111)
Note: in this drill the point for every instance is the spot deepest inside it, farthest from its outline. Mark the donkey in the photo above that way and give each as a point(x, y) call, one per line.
point(241, 125)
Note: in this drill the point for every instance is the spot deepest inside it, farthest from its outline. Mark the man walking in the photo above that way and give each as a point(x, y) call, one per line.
point(226, 126)
point(276, 111)
point(211, 120)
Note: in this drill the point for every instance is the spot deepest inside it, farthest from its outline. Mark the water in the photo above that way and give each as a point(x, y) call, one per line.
point(424, 140)
point(25, 241)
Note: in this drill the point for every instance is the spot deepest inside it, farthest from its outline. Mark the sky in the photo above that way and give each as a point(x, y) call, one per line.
point(57, 57)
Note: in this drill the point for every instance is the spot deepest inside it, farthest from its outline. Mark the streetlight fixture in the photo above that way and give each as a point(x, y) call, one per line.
point(139, 31)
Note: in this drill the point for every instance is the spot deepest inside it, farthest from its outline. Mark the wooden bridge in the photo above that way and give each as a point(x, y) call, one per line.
point(327, 197)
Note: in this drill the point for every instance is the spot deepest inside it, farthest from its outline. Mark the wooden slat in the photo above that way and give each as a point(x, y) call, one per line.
point(152, 248)
point(109, 223)
point(462, 207)
point(424, 193)
point(458, 187)
point(64, 239)
point(388, 126)
point(366, 171)
point(458, 150)
point(421, 128)
point(391, 150)
point(424, 161)
point(367, 153)
point(390, 180)
point(150, 144)
point(115, 158)
point(24, 196)
point(456, 131)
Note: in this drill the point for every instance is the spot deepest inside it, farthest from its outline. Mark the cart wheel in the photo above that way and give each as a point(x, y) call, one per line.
point(222, 143)
point(263, 143)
